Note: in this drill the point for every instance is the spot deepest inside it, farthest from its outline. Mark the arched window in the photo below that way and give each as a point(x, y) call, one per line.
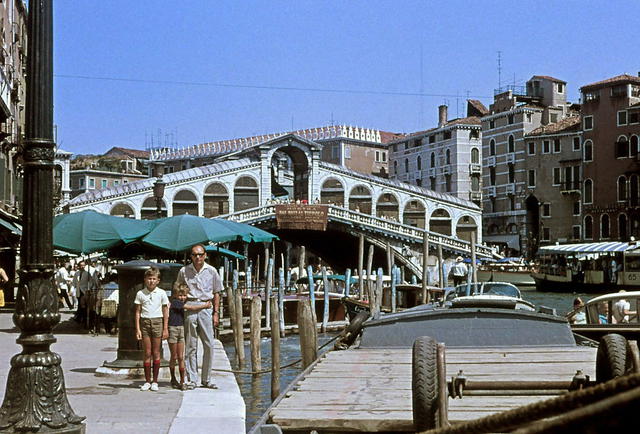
point(634, 149)
point(448, 157)
point(475, 156)
point(492, 147)
point(605, 226)
point(512, 173)
point(406, 165)
point(588, 191)
point(622, 227)
point(588, 228)
point(433, 160)
point(622, 188)
point(419, 162)
point(622, 147)
point(588, 150)
point(634, 190)
point(511, 144)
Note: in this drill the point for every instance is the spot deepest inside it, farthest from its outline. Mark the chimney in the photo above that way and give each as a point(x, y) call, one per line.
point(442, 115)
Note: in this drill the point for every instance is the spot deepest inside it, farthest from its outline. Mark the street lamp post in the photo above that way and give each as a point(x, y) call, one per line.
point(35, 397)
point(158, 194)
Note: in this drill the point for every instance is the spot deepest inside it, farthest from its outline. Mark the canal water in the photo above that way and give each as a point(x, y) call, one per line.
point(256, 390)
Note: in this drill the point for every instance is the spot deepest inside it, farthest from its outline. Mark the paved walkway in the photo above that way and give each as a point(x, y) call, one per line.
point(114, 404)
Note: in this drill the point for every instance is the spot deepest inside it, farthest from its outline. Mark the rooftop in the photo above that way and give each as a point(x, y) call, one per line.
point(547, 77)
point(566, 125)
point(618, 79)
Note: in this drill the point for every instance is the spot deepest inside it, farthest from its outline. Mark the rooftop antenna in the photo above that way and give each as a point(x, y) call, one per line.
point(499, 69)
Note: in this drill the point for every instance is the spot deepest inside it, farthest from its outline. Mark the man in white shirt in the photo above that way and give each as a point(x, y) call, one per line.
point(622, 310)
point(205, 286)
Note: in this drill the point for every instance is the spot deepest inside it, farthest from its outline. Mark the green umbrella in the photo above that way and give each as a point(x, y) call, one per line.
point(178, 233)
point(89, 231)
point(223, 251)
point(248, 233)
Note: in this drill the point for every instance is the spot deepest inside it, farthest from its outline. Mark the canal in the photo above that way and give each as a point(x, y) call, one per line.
point(256, 390)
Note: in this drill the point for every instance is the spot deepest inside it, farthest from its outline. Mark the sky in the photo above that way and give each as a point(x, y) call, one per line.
point(158, 72)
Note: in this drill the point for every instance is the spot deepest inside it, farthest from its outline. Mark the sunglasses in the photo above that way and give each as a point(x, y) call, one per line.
point(197, 254)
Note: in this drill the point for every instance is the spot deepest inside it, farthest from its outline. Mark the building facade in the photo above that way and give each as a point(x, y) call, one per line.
point(610, 129)
point(445, 159)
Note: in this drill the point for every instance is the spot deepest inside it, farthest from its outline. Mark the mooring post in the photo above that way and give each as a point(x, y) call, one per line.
point(247, 280)
point(255, 332)
point(267, 292)
point(325, 306)
point(307, 332)
point(233, 318)
point(473, 257)
point(369, 269)
point(425, 265)
point(301, 265)
point(312, 289)
point(281, 302)
point(440, 265)
point(377, 294)
point(275, 349)
point(240, 325)
point(246, 268)
point(360, 264)
point(394, 273)
point(347, 282)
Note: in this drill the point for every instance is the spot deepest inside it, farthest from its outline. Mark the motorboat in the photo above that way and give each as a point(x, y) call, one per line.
point(487, 294)
point(512, 270)
point(602, 315)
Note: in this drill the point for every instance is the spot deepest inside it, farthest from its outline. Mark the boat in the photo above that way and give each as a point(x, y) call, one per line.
point(512, 270)
point(503, 294)
point(588, 267)
point(599, 318)
point(481, 355)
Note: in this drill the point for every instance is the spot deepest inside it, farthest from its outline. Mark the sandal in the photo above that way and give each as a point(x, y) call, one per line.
point(175, 384)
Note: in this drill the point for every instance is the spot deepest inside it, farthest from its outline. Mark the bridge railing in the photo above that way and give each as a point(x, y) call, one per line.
point(376, 223)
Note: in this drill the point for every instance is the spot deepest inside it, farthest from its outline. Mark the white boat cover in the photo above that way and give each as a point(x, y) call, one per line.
point(604, 247)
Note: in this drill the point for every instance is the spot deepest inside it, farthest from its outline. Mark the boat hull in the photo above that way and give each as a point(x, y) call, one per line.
point(518, 278)
point(546, 283)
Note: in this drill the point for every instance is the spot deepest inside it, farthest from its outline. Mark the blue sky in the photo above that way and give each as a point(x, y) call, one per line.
point(191, 71)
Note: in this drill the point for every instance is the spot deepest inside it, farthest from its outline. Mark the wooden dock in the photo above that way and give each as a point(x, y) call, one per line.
point(370, 389)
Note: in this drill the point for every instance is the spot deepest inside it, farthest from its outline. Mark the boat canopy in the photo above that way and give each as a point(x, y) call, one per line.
point(606, 247)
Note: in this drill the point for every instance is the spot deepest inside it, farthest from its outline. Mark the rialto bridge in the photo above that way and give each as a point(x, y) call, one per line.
point(245, 185)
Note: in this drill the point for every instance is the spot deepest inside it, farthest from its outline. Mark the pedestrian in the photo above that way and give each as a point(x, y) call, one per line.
point(204, 285)
point(152, 318)
point(459, 271)
point(63, 281)
point(176, 334)
point(3, 280)
point(84, 281)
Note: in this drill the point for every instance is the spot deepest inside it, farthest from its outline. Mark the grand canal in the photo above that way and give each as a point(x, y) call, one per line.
point(256, 390)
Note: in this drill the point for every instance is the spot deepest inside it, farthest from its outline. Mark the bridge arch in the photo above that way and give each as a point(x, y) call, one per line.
point(332, 191)
point(290, 160)
point(360, 199)
point(215, 199)
point(123, 209)
point(148, 210)
point(466, 227)
point(440, 221)
point(414, 213)
point(388, 206)
point(185, 201)
point(246, 193)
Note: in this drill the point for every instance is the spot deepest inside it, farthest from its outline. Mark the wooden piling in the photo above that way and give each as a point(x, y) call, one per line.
point(347, 282)
point(360, 264)
point(440, 271)
point(281, 287)
point(474, 268)
point(394, 273)
point(233, 319)
point(256, 274)
point(240, 325)
point(246, 267)
point(369, 267)
point(255, 327)
point(312, 288)
point(325, 293)
point(267, 291)
point(275, 349)
point(301, 265)
point(266, 261)
point(376, 297)
point(425, 267)
point(306, 330)
point(389, 259)
point(247, 280)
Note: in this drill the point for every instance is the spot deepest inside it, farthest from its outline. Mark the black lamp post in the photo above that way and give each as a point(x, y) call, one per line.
point(158, 194)
point(35, 397)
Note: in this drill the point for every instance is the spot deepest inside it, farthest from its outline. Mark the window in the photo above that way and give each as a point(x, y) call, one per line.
point(377, 156)
point(511, 144)
point(395, 167)
point(619, 90)
point(546, 210)
point(475, 183)
point(556, 176)
point(474, 134)
point(335, 151)
point(493, 208)
point(347, 152)
point(103, 183)
point(419, 162)
point(576, 207)
point(588, 191)
point(633, 147)
point(92, 183)
point(116, 183)
point(447, 182)
point(384, 157)
point(588, 228)
point(509, 119)
point(531, 178)
point(594, 95)
point(475, 156)
point(622, 189)
point(622, 227)
point(448, 157)
point(575, 232)
point(81, 183)
point(546, 234)
point(432, 181)
point(560, 87)
point(531, 148)
point(512, 173)
point(556, 146)
point(587, 123)
point(605, 226)
point(588, 151)
point(492, 124)
point(512, 203)
point(546, 147)
point(553, 118)
point(529, 117)
point(406, 165)
point(622, 147)
point(492, 175)
point(432, 163)
point(446, 135)
point(492, 147)
point(419, 182)
point(432, 138)
point(576, 143)
point(622, 117)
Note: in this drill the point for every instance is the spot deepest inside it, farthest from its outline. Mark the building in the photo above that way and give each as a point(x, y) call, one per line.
point(610, 131)
point(515, 112)
point(360, 149)
point(446, 158)
point(552, 191)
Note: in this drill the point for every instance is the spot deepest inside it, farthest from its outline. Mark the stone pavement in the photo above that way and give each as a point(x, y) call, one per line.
point(114, 403)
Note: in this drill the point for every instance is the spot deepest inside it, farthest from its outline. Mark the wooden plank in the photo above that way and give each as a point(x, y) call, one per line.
point(377, 421)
